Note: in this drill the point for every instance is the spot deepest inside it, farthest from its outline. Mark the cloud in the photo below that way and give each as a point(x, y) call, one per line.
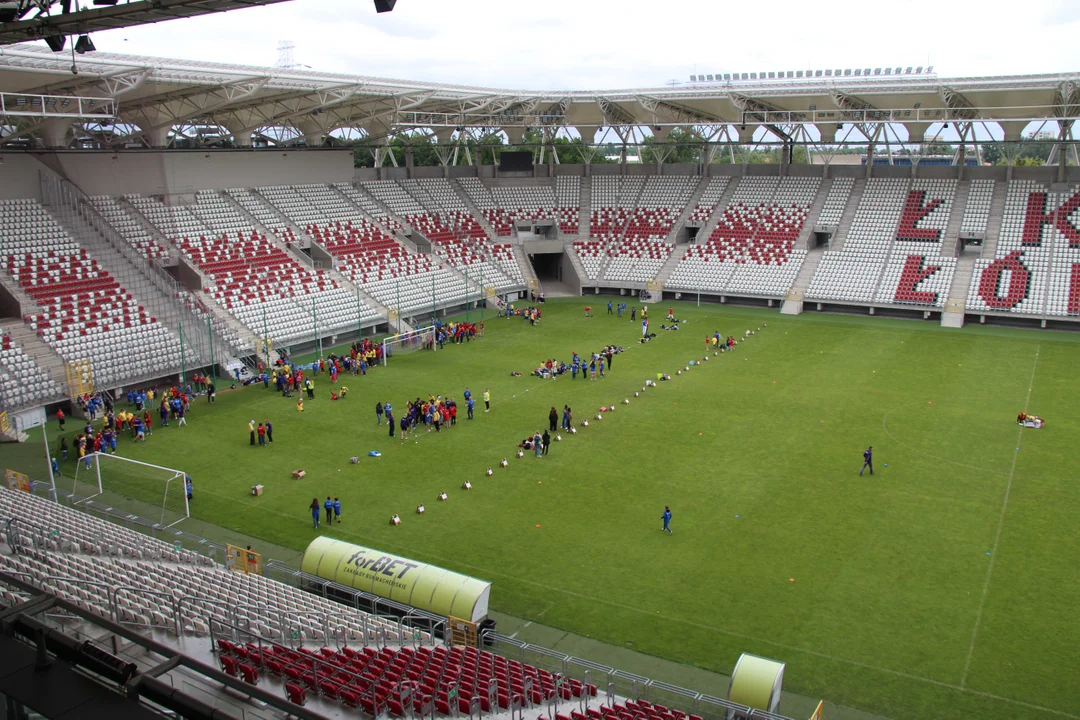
point(610, 44)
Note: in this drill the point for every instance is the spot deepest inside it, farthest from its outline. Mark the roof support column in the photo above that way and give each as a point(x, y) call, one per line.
point(157, 137)
point(241, 137)
point(588, 138)
point(54, 132)
point(409, 161)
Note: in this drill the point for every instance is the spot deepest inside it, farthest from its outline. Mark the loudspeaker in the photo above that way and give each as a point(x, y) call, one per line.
point(56, 42)
point(384, 5)
point(84, 45)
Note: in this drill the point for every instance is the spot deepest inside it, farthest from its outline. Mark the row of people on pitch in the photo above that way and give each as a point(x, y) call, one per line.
point(619, 309)
point(434, 413)
point(332, 507)
point(457, 332)
point(263, 431)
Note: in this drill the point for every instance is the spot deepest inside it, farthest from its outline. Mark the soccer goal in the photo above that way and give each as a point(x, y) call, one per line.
point(149, 491)
point(408, 342)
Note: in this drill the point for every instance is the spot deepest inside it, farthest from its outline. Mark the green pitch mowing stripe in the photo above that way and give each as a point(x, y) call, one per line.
point(877, 591)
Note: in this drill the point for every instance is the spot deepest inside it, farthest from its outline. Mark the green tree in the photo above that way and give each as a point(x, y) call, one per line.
point(683, 147)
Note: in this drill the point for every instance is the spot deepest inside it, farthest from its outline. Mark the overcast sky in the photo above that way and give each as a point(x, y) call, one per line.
point(585, 44)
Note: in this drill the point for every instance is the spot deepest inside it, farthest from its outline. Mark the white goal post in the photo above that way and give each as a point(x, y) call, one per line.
point(407, 342)
point(150, 491)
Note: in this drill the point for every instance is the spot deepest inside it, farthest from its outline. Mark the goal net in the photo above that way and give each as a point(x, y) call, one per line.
point(409, 342)
point(149, 491)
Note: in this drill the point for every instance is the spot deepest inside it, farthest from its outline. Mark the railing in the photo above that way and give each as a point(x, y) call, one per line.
point(613, 684)
point(409, 619)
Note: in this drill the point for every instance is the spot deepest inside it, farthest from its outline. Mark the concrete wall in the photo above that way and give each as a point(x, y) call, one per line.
point(19, 176)
point(180, 172)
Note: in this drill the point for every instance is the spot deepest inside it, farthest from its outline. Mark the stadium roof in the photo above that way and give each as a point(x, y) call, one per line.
point(154, 95)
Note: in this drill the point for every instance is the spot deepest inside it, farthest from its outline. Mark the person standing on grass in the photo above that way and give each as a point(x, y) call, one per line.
point(609, 310)
point(470, 404)
point(390, 421)
point(189, 488)
point(60, 417)
point(609, 354)
point(666, 517)
point(644, 326)
point(868, 460)
point(63, 448)
point(601, 366)
point(181, 414)
point(337, 509)
point(538, 443)
point(592, 369)
point(163, 412)
point(378, 412)
point(545, 440)
point(329, 507)
point(261, 431)
point(633, 313)
point(211, 393)
point(487, 400)
point(553, 419)
point(314, 507)
point(251, 431)
point(566, 417)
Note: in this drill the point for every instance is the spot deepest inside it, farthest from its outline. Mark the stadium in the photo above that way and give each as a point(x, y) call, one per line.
point(309, 407)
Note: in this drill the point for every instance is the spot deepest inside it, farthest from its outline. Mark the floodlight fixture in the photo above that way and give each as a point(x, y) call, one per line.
point(56, 42)
point(772, 76)
point(918, 70)
point(384, 5)
point(84, 45)
point(709, 77)
point(858, 72)
point(798, 73)
point(908, 70)
point(847, 72)
point(877, 71)
point(930, 69)
point(828, 73)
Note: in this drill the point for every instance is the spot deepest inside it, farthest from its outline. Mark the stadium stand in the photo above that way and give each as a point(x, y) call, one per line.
point(1038, 248)
point(260, 284)
point(368, 205)
point(851, 273)
point(642, 250)
point(977, 210)
point(496, 217)
point(84, 312)
point(22, 381)
point(128, 227)
point(752, 249)
point(612, 202)
point(835, 202)
point(568, 197)
point(708, 201)
point(916, 272)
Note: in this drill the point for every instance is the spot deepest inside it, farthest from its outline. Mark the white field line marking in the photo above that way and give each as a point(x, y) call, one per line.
point(1001, 524)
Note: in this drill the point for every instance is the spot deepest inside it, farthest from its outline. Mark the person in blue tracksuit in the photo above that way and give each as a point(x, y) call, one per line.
point(329, 507)
point(314, 507)
point(868, 460)
point(666, 517)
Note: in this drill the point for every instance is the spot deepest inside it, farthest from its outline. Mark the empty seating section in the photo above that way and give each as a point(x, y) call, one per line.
point(1036, 270)
point(369, 206)
point(568, 199)
point(977, 211)
point(259, 210)
point(22, 381)
point(482, 199)
point(260, 284)
point(85, 313)
point(707, 203)
point(752, 249)
point(128, 227)
point(835, 202)
point(524, 203)
point(643, 250)
point(613, 200)
point(465, 243)
point(851, 274)
point(916, 273)
point(80, 547)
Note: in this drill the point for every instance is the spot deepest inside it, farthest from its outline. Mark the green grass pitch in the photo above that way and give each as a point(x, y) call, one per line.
point(942, 588)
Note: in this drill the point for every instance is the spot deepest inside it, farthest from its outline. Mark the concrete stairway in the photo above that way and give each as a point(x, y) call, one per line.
point(585, 216)
point(37, 350)
point(951, 236)
point(525, 266)
point(993, 224)
point(802, 243)
point(846, 219)
point(953, 315)
point(695, 196)
point(793, 303)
